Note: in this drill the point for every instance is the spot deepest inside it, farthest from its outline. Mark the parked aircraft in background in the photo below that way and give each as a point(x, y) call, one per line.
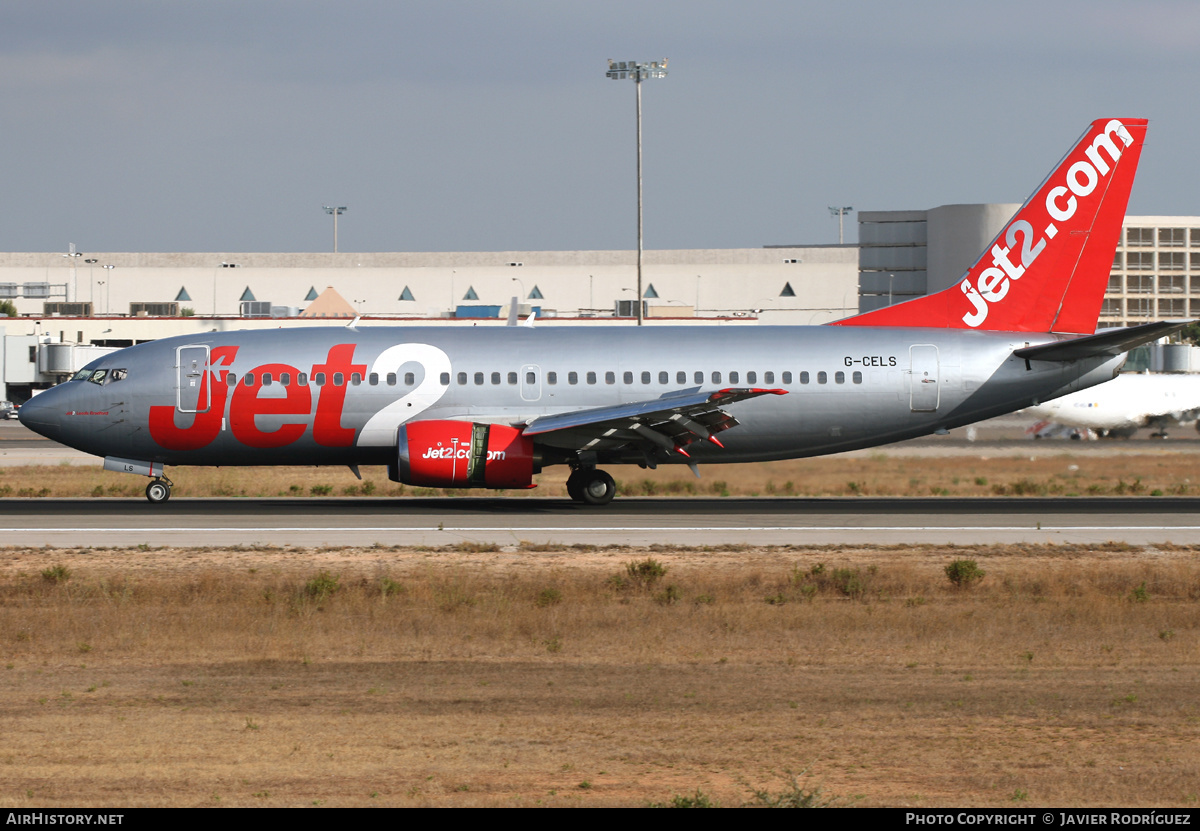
point(491, 407)
point(1117, 409)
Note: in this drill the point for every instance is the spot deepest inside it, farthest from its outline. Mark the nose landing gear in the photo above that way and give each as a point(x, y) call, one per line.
point(591, 486)
point(159, 490)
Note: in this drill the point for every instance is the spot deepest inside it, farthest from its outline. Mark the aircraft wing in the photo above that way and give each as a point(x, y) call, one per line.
point(671, 422)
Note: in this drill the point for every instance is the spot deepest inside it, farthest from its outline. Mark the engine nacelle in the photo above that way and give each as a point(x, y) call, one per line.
point(462, 454)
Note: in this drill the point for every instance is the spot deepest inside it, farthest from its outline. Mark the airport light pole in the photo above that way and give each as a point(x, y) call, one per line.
point(335, 212)
point(840, 213)
point(71, 255)
point(638, 71)
point(108, 267)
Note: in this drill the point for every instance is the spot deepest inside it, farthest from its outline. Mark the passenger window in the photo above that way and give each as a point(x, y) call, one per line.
point(787, 378)
point(716, 377)
point(698, 378)
point(266, 379)
point(627, 377)
point(645, 377)
point(479, 379)
point(410, 379)
point(551, 377)
point(803, 377)
point(248, 379)
point(391, 379)
point(733, 377)
point(285, 378)
point(768, 377)
point(610, 377)
point(301, 379)
point(462, 379)
point(822, 377)
point(338, 379)
point(512, 378)
point(572, 378)
point(591, 378)
point(373, 379)
point(231, 380)
point(319, 379)
point(839, 377)
point(355, 378)
point(444, 378)
point(857, 377)
point(530, 377)
point(664, 378)
point(751, 377)
point(681, 377)
point(496, 378)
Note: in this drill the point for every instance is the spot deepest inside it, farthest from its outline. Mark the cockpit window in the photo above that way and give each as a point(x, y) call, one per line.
point(100, 376)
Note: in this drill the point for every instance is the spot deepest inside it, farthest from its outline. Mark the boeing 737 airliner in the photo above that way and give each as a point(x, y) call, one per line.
point(491, 407)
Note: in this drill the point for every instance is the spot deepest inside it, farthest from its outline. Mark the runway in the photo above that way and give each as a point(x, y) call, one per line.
point(628, 521)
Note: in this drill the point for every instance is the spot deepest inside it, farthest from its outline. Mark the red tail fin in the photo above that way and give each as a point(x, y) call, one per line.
point(1048, 270)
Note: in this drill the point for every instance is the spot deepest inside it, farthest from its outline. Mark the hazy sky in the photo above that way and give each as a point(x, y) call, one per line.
point(225, 125)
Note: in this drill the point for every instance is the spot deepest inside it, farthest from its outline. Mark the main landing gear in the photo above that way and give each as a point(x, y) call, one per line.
point(591, 486)
point(159, 490)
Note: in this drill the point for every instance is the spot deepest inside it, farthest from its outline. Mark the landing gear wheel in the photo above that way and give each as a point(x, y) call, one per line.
point(575, 485)
point(598, 488)
point(158, 491)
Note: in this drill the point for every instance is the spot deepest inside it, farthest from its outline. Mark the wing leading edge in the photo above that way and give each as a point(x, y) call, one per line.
point(669, 423)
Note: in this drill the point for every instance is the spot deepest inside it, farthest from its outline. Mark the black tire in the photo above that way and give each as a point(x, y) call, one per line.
point(158, 492)
point(575, 485)
point(598, 488)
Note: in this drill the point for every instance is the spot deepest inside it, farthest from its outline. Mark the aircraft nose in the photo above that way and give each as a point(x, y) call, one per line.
point(43, 414)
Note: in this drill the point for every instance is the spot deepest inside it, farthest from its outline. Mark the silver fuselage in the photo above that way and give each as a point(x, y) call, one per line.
point(846, 388)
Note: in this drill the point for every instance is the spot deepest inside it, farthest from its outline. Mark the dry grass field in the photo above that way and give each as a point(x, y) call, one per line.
point(527, 676)
point(1040, 473)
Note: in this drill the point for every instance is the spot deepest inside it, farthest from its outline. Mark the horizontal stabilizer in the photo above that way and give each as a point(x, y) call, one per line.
point(1110, 342)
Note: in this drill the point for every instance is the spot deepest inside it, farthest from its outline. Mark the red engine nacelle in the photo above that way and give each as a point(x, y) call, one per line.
point(463, 454)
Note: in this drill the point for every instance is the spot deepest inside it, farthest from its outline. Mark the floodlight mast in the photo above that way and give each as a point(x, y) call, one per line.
point(335, 212)
point(638, 71)
point(839, 213)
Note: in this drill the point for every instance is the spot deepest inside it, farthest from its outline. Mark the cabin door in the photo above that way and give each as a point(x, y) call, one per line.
point(531, 382)
point(192, 395)
point(924, 383)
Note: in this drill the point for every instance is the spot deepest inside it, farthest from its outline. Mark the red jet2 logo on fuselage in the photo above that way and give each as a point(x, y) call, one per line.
point(246, 404)
point(1061, 203)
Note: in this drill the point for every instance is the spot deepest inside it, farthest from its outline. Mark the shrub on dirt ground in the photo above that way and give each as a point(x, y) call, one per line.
point(646, 571)
point(56, 574)
point(322, 586)
point(796, 794)
point(699, 800)
point(964, 573)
